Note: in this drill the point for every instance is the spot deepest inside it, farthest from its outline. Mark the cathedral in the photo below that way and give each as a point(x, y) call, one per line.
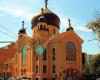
point(48, 54)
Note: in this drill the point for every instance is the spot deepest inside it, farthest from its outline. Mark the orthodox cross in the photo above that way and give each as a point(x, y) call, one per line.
point(69, 22)
point(22, 24)
point(42, 10)
point(46, 2)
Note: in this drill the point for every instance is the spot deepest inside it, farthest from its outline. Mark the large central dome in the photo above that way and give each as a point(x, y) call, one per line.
point(51, 18)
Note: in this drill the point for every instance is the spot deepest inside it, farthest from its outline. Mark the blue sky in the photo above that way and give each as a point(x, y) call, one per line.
point(79, 11)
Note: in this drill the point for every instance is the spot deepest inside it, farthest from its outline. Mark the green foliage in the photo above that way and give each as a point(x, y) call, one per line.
point(94, 25)
point(97, 64)
point(92, 65)
point(19, 79)
point(87, 70)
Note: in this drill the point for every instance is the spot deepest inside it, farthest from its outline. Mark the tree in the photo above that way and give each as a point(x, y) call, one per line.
point(94, 25)
point(96, 64)
point(89, 68)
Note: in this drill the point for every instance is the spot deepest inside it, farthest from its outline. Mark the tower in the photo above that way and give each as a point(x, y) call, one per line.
point(22, 31)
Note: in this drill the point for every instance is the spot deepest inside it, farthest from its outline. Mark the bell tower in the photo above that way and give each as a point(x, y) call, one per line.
point(22, 31)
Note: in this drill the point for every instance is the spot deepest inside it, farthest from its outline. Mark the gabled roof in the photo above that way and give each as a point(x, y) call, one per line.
point(69, 33)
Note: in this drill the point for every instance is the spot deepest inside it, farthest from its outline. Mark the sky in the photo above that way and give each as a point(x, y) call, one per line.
point(80, 12)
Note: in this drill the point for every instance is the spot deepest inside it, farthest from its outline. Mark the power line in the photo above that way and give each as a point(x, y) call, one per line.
point(7, 30)
point(7, 41)
point(8, 34)
point(92, 40)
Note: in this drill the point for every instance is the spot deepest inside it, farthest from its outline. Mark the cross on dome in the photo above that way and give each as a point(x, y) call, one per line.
point(22, 24)
point(69, 22)
point(46, 2)
point(70, 27)
point(42, 10)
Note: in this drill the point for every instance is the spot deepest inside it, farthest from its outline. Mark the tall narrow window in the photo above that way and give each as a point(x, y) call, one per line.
point(44, 55)
point(53, 69)
point(24, 51)
point(38, 27)
point(53, 54)
point(44, 68)
point(36, 68)
point(34, 31)
point(36, 78)
point(54, 31)
point(45, 79)
point(70, 51)
point(36, 57)
point(53, 78)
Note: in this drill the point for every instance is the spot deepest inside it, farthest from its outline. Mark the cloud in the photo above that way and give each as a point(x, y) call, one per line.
point(22, 11)
point(64, 21)
point(16, 10)
point(82, 28)
point(64, 24)
point(2, 14)
point(75, 24)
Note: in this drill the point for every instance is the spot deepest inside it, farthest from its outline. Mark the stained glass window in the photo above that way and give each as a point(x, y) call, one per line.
point(70, 51)
point(24, 51)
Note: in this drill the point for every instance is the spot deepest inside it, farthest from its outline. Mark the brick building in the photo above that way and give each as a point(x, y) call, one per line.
point(48, 54)
point(6, 54)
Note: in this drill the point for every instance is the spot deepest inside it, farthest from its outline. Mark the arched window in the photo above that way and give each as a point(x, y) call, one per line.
point(24, 51)
point(70, 51)
point(53, 54)
point(44, 55)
